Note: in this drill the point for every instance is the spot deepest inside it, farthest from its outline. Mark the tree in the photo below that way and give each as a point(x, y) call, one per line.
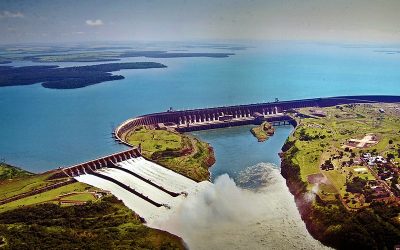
point(390, 156)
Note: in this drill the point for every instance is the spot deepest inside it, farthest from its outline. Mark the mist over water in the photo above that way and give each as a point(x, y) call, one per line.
point(257, 213)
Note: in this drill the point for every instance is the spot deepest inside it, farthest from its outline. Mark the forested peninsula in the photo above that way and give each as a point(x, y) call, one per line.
point(54, 77)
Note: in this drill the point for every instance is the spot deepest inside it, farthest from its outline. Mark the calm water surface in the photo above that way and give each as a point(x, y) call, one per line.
point(236, 148)
point(42, 129)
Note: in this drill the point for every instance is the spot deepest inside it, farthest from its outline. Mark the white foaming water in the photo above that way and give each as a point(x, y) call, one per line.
point(261, 215)
point(256, 213)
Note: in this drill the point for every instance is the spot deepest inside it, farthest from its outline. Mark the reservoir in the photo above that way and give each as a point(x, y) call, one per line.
point(42, 129)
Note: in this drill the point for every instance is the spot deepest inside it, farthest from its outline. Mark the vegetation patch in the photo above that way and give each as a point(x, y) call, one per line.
point(16, 186)
point(54, 77)
point(73, 216)
point(53, 195)
point(182, 153)
point(357, 203)
point(105, 224)
point(10, 172)
point(263, 132)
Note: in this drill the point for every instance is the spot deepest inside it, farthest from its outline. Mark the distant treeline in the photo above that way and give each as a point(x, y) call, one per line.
point(67, 78)
point(100, 56)
point(164, 54)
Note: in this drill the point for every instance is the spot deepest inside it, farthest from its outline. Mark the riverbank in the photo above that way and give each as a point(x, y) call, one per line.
point(322, 174)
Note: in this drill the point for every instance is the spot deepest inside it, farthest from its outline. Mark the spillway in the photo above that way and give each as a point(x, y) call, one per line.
point(152, 191)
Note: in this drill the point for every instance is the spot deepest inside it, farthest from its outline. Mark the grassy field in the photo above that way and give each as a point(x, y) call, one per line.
point(50, 196)
point(23, 184)
point(155, 140)
point(180, 152)
point(320, 139)
point(79, 197)
point(9, 172)
point(24, 181)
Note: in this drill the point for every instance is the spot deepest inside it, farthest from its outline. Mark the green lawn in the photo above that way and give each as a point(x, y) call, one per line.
point(337, 179)
point(366, 175)
point(80, 197)
point(46, 196)
point(155, 140)
point(13, 187)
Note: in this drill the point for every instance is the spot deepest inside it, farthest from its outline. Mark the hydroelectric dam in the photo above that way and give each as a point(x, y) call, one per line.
point(152, 190)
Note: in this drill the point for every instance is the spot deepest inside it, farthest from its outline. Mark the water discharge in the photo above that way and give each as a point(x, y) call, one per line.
point(256, 213)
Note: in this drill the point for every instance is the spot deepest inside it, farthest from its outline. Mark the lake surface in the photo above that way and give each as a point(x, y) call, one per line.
point(42, 129)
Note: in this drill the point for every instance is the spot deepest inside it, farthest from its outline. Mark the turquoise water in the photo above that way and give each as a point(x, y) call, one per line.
point(236, 148)
point(42, 129)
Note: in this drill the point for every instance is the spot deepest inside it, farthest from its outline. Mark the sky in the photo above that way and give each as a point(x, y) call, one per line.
point(191, 20)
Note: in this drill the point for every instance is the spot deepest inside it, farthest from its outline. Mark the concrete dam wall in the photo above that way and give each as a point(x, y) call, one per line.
point(219, 117)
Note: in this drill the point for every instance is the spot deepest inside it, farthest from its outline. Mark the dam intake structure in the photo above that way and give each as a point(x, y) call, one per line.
point(276, 113)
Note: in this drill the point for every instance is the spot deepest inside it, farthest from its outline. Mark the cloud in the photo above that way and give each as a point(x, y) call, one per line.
point(96, 22)
point(10, 14)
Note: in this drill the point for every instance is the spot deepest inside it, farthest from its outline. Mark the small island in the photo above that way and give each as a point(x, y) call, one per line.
point(263, 132)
